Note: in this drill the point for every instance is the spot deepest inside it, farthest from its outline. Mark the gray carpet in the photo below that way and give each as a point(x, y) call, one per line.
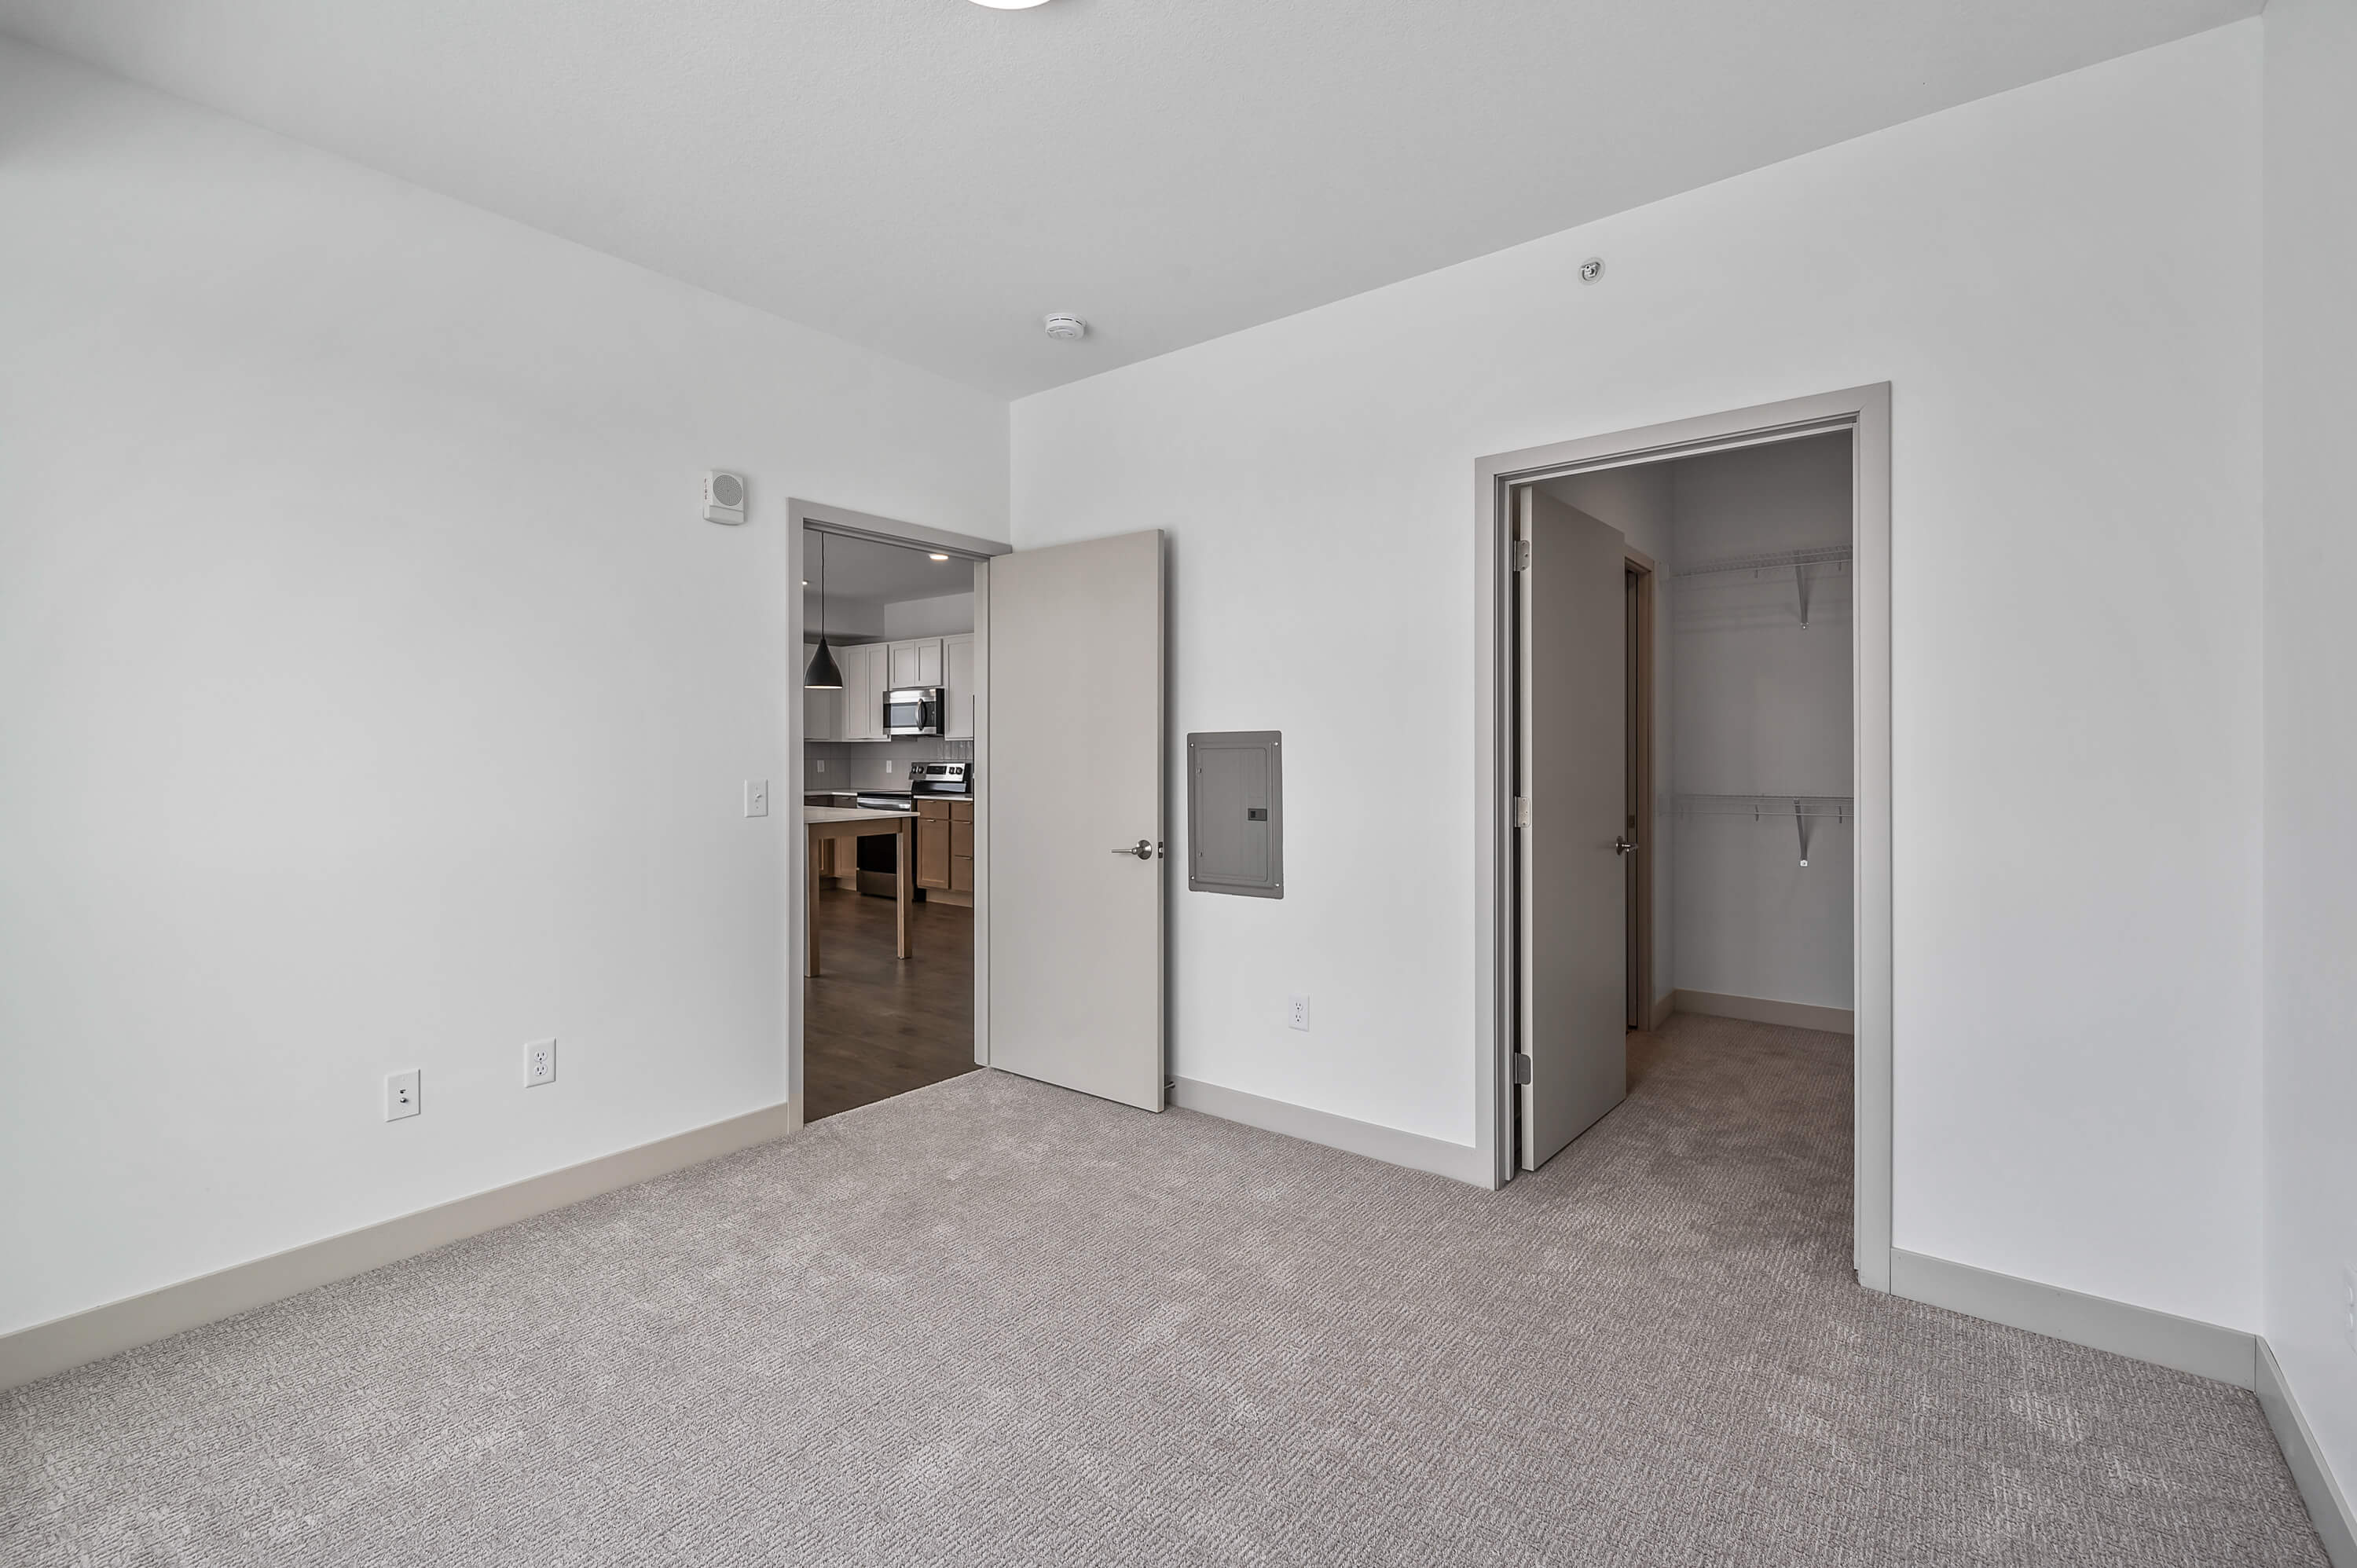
point(990, 1322)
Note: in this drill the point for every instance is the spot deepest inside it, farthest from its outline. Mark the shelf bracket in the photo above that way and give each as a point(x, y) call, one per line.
point(1800, 591)
point(1800, 823)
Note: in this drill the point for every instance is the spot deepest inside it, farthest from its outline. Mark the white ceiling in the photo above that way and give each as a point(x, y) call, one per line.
point(929, 177)
point(888, 573)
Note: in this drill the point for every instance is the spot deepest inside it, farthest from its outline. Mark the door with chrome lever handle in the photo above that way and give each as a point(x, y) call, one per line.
point(1143, 849)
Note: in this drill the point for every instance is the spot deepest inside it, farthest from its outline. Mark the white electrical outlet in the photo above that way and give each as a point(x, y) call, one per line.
point(821, 764)
point(540, 1062)
point(402, 1095)
point(1299, 1017)
point(756, 797)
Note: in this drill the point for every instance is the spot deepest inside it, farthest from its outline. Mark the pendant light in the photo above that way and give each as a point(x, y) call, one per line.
point(822, 675)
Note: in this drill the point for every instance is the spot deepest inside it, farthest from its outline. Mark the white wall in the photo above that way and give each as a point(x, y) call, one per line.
point(1639, 500)
point(2311, 728)
point(2062, 284)
point(375, 697)
point(1761, 704)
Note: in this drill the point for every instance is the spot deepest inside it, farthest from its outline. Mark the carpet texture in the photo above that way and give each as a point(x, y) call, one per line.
point(991, 1322)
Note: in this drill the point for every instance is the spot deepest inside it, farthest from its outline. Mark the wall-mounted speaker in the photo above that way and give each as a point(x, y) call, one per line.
point(724, 497)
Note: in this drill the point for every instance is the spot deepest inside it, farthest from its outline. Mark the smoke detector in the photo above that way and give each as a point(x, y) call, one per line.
point(1067, 327)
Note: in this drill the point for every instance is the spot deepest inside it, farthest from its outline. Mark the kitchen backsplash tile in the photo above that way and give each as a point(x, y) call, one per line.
point(875, 763)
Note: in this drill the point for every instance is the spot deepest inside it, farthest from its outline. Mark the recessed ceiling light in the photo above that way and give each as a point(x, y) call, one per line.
point(940, 557)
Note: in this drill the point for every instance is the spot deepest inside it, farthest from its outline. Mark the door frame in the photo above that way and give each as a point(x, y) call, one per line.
point(843, 522)
point(1865, 412)
point(1641, 569)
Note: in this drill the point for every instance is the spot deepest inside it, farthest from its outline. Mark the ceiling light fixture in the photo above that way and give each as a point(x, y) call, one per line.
point(823, 674)
point(938, 556)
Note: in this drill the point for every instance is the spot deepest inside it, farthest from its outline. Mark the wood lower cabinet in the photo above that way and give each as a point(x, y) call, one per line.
point(945, 849)
point(933, 833)
point(962, 848)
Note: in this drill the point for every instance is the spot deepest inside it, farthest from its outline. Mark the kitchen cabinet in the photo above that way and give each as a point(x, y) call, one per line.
point(863, 690)
point(961, 850)
point(915, 663)
point(933, 834)
point(821, 713)
point(957, 687)
point(945, 849)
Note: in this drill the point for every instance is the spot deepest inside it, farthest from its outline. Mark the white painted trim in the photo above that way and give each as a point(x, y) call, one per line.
point(2187, 1344)
point(2328, 1506)
point(1764, 1009)
point(1458, 1161)
point(46, 1348)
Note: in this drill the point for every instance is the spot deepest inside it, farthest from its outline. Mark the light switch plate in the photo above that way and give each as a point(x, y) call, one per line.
point(756, 797)
point(403, 1094)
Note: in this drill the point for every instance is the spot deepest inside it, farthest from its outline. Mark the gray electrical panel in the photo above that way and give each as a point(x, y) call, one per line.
point(1236, 814)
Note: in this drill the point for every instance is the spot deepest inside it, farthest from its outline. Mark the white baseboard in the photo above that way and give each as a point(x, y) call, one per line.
point(1760, 1010)
point(46, 1348)
point(2328, 1506)
point(2187, 1344)
point(1458, 1161)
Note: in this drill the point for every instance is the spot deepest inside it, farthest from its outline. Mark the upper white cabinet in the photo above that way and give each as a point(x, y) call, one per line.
point(916, 662)
point(957, 687)
point(821, 711)
point(862, 689)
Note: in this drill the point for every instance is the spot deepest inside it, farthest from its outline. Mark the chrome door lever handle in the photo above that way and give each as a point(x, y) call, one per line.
point(1623, 846)
point(1143, 849)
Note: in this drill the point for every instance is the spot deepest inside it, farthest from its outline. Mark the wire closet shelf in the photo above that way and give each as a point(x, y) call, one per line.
point(1804, 811)
point(1804, 564)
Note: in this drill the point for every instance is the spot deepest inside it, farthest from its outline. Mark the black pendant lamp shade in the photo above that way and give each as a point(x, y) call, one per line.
point(824, 675)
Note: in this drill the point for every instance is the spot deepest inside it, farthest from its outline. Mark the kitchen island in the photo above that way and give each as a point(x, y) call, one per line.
point(824, 823)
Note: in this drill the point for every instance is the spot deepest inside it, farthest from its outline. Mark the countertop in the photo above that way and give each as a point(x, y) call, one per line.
point(842, 814)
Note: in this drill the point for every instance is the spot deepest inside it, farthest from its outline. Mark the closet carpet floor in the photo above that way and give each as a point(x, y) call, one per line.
point(992, 1322)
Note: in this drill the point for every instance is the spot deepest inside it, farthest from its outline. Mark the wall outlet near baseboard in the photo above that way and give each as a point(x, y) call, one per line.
point(403, 1094)
point(1298, 1015)
point(539, 1063)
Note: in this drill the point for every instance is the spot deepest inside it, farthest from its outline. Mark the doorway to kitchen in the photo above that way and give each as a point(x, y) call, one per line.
point(889, 671)
point(1058, 954)
point(1685, 759)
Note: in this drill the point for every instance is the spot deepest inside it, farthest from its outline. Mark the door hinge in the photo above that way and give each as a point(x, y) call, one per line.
point(1521, 1067)
point(1522, 810)
point(1522, 555)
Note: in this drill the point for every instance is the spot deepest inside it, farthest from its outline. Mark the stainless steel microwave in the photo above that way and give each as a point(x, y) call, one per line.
point(912, 710)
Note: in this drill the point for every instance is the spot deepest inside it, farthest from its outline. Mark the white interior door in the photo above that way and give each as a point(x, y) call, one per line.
point(1574, 891)
point(1073, 792)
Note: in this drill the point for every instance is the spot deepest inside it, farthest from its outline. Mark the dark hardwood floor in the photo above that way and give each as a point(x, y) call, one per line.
point(874, 1025)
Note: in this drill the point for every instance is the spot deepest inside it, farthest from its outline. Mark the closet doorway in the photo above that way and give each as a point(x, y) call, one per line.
point(1685, 756)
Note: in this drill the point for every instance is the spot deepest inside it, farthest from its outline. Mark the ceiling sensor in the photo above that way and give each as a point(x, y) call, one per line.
point(1592, 269)
point(1067, 327)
